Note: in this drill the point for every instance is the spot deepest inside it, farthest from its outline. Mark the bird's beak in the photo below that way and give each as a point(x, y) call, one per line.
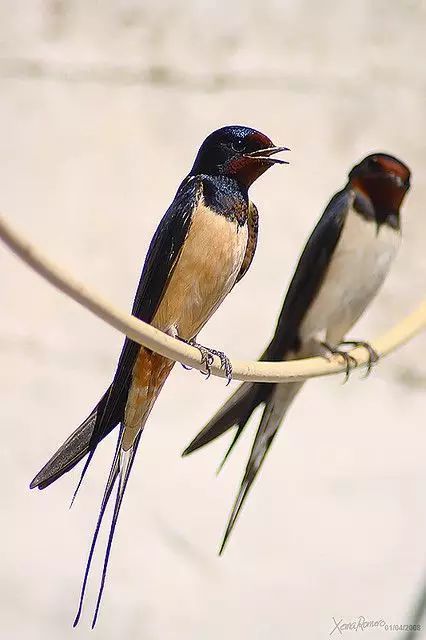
point(265, 154)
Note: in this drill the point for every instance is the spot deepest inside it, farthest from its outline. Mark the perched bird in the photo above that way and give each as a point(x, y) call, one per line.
point(202, 247)
point(342, 267)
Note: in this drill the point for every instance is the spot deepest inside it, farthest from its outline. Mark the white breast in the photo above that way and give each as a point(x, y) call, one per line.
point(358, 268)
point(206, 272)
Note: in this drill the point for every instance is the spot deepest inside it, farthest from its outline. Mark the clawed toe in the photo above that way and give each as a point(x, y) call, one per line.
point(348, 359)
point(225, 363)
point(373, 356)
point(207, 359)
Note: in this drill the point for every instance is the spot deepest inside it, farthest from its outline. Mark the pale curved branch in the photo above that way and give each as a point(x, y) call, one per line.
point(167, 346)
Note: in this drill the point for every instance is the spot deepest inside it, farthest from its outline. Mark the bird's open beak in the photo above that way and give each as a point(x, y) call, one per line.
point(265, 154)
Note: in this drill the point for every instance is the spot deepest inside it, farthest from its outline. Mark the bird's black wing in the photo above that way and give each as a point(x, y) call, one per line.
point(306, 282)
point(160, 262)
point(309, 275)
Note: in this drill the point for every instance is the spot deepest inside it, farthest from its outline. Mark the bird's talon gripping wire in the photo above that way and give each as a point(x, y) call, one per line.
point(349, 360)
point(207, 359)
point(373, 356)
point(225, 363)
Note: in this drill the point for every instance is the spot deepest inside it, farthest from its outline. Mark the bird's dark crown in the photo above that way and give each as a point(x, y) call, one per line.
point(238, 152)
point(384, 179)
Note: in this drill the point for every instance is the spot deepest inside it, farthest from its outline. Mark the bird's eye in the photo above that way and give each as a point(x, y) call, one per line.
point(237, 145)
point(374, 163)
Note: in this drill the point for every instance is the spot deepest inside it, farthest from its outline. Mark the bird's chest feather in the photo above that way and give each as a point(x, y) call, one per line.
point(357, 269)
point(205, 273)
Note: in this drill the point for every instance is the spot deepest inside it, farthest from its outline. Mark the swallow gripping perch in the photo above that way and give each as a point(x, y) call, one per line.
point(341, 269)
point(203, 246)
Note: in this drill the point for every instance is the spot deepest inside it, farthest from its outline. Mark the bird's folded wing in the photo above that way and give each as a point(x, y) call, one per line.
point(309, 275)
point(161, 259)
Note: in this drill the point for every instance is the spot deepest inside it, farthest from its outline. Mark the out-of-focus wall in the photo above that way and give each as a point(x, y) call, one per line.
point(102, 108)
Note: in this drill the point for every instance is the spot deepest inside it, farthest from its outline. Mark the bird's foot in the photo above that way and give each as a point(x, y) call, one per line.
point(347, 358)
point(207, 359)
point(373, 356)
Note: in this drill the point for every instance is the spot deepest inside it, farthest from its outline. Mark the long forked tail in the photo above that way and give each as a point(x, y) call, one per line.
point(121, 467)
point(236, 412)
point(149, 375)
point(275, 409)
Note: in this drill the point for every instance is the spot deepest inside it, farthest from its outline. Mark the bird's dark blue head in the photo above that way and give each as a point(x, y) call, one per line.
point(237, 152)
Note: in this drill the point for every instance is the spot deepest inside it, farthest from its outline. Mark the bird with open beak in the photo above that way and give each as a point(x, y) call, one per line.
point(202, 247)
point(341, 269)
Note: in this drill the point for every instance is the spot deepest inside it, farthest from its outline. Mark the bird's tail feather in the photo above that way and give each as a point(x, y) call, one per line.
point(236, 411)
point(107, 414)
point(126, 462)
point(157, 369)
point(68, 455)
point(275, 409)
point(121, 467)
point(107, 493)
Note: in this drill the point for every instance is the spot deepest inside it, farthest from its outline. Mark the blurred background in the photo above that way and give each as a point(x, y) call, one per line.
point(103, 106)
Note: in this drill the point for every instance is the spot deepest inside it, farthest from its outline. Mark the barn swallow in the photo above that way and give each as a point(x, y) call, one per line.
point(341, 269)
point(202, 247)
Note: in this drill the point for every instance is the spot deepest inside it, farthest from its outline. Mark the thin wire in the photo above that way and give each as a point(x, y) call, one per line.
point(145, 334)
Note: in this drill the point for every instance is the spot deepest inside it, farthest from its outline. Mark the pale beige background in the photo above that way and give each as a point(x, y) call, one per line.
point(102, 108)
